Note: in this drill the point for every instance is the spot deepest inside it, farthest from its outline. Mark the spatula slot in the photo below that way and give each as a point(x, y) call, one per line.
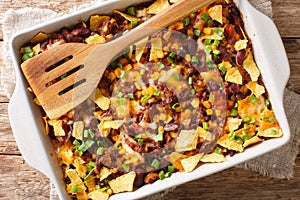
point(64, 75)
point(64, 91)
point(62, 61)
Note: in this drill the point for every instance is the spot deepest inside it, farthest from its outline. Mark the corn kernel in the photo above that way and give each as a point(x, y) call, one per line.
point(195, 103)
point(151, 91)
point(173, 134)
point(206, 104)
point(127, 67)
point(111, 76)
point(118, 72)
point(169, 119)
point(209, 111)
point(161, 130)
point(190, 32)
point(188, 57)
point(207, 31)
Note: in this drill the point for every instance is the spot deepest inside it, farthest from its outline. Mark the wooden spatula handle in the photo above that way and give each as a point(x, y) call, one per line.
point(161, 20)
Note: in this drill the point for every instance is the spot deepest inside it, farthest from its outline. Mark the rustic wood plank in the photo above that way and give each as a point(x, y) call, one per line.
point(20, 181)
point(284, 11)
point(8, 144)
point(238, 184)
point(3, 97)
point(292, 47)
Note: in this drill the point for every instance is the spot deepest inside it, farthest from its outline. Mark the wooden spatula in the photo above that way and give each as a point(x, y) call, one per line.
point(88, 62)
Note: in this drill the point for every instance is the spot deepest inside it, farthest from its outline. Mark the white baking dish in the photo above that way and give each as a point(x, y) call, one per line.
point(28, 126)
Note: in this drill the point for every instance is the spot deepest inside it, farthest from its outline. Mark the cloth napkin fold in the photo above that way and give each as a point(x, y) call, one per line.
point(278, 163)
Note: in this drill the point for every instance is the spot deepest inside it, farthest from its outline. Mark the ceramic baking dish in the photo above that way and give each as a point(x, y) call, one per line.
point(28, 126)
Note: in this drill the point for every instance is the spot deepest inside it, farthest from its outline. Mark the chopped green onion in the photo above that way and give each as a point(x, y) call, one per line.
point(247, 136)
point(89, 174)
point(219, 32)
point(252, 120)
point(208, 49)
point(195, 60)
point(274, 132)
point(156, 93)
point(160, 65)
point(205, 125)
point(176, 106)
point(131, 10)
point(246, 126)
point(268, 103)
point(131, 96)
point(197, 33)
point(252, 98)
point(120, 65)
point(85, 133)
point(211, 66)
point(161, 175)
point(170, 59)
point(28, 49)
point(155, 163)
point(76, 143)
point(118, 146)
point(125, 167)
point(223, 69)
point(133, 23)
point(163, 150)
point(63, 76)
point(86, 145)
point(139, 138)
point(78, 152)
point(75, 189)
point(171, 168)
point(207, 41)
point(246, 119)
point(26, 56)
point(236, 105)
point(216, 52)
point(160, 137)
point(238, 140)
point(172, 55)
point(104, 188)
point(218, 150)
point(271, 120)
point(176, 77)
point(205, 17)
point(232, 135)
point(123, 74)
point(211, 97)
point(90, 165)
point(142, 72)
point(168, 174)
point(101, 143)
point(122, 101)
point(172, 65)
point(100, 151)
point(234, 113)
point(193, 91)
point(187, 21)
point(217, 42)
point(145, 98)
point(190, 82)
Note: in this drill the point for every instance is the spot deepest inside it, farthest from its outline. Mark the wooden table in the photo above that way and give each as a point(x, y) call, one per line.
point(20, 181)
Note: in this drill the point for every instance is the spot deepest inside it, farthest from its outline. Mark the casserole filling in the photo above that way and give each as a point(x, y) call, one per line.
point(188, 95)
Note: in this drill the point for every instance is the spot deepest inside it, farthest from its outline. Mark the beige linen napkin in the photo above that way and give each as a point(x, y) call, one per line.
point(278, 164)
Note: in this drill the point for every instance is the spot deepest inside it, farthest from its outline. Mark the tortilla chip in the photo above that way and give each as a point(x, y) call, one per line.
point(123, 183)
point(81, 169)
point(234, 76)
point(116, 124)
point(233, 123)
point(104, 173)
point(210, 34)
point(174, 1)
point(102, 101)
point(127, 17)
point(78, 128)
point(274, 132)
point(140, 46)
point(66, 155)
point(215, 13)
point(190, 163)
point(39, 37)
point(57, 127)
point(186, 141)
point(206, 135)
point(213, 158)
point(98, 195)
point(73, 176)
point(230, 144)
point(226, 64)
point(256, 89)
point(158, 6)
point(90, 183)
point(95, 39)
point(36, 49)
point(246, 108)
point(96, 21)
point(156, 49)
point(241, 44)
point(251, 67)
point(251, 141)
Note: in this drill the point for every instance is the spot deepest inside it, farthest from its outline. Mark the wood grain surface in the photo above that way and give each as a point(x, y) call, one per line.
point(20, 181)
